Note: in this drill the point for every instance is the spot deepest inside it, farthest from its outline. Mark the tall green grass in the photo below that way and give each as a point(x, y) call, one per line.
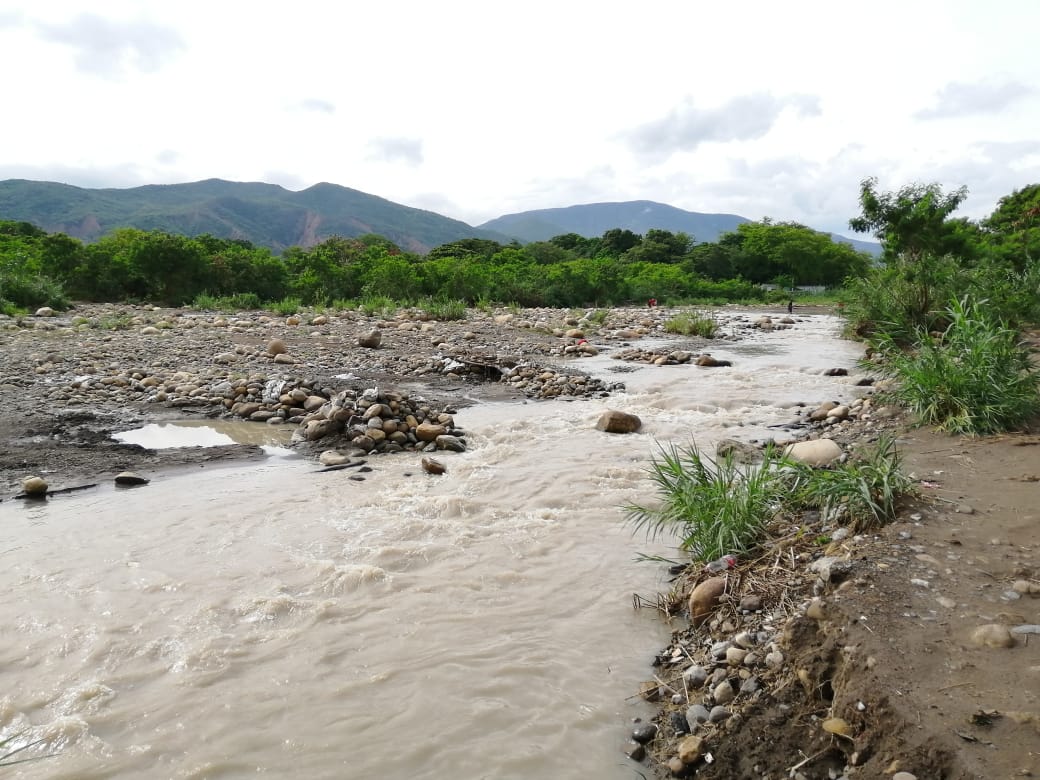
point(440, 309)
point(862, 493)
point(715, 507)
point(377, 306)
point(974, 378)
point(692, 324)
point(286, 306)
point(719, 507)
point(237, 302)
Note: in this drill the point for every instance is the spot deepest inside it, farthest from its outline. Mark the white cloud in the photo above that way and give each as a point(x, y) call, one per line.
point(112, 47)
point(958, 99)
point(742, 118)
point(406, 150)
point(476, 110)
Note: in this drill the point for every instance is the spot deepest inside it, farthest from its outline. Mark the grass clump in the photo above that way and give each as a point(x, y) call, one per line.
point(863, 492)
point(122, 321)
point(974, 378)
point(690, 324)
point(377, 306)
point(237, 302)
point(444, 310)
point(716, 507)
point(720, 507)
point(286, 306)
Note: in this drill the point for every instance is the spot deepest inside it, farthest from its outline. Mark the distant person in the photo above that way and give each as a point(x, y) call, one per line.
point(790, 307)
point(651, 303)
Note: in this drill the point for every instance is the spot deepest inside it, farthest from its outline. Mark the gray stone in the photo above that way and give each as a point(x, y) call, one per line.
point(739, 451)
point(130, 478)
point(696, 715)
point(451, 443)
point(644, 733)
point(370, 340)
point(718, 714)
point(695, 676)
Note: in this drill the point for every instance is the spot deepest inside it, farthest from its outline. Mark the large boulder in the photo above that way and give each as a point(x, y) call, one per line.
point(613, 421)
point(816, 452)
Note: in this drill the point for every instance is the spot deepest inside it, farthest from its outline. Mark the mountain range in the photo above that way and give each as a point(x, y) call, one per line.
point(272, 216)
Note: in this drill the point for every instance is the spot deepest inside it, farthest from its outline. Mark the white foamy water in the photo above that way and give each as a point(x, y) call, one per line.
point(270, 620)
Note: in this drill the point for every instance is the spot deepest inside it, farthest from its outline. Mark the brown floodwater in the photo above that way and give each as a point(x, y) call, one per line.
point(272, 620)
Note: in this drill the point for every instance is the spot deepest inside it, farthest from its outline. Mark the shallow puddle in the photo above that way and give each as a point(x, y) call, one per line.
point(208, 433)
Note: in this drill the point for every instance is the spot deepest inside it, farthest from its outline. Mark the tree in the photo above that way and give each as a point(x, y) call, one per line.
point(1012, 231)
point(912, 221)
point(616, 242)
point(661, 246)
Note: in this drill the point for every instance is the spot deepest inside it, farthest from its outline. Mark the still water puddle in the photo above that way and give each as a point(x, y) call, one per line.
point(209, 433)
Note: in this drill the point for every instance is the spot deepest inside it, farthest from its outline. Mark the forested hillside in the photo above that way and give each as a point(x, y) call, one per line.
point(262, 214)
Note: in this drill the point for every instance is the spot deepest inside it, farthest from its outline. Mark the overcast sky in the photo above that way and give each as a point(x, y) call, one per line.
point(478, 109)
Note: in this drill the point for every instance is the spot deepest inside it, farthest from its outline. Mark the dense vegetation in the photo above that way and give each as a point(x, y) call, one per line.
point(942, 313)
point(37, 268)
point(943, 310)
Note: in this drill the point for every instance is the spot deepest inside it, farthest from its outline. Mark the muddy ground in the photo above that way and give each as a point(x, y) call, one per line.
point(890, 651)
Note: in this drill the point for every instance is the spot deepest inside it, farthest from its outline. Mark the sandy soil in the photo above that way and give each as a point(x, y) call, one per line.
point(892, 654)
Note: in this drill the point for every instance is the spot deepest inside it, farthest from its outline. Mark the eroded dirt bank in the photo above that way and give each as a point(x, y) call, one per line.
point(909, 650)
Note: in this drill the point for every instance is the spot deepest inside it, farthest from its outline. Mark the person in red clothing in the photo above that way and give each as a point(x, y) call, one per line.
point(651, 303)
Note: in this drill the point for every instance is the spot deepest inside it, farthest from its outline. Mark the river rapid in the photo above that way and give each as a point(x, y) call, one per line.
point(270, 620)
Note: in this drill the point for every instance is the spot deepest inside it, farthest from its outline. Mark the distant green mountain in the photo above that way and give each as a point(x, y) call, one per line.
point(269, 215)
point(594, 219)
point(264, 214)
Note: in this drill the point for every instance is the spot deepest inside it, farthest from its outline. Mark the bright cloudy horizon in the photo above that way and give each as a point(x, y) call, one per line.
point(474, 110)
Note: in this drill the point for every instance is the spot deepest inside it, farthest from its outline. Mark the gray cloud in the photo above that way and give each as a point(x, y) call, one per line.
point(960, 99)
point(167, 157)
point(110, 176)
point(743, 118)
point(317, 105)
point(406, 150)
point(109, 48)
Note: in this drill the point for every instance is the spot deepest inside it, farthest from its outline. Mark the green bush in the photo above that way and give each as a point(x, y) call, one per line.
point(692, 324)
point(444, 309)
point(974, 378)
point(378, 305)
point(30, 291)
point(861, 492)
point(715, 507)
point(899, 300)
point(205, 302)
point(286, 306)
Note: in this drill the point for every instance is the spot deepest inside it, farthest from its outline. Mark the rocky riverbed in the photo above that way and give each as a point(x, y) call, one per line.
point(835, 654)
point(72, 380)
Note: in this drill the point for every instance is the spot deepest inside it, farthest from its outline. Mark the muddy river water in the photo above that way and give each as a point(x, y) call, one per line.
point(230, 622)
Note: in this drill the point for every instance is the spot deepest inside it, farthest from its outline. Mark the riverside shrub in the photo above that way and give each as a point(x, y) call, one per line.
point(974, 378)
